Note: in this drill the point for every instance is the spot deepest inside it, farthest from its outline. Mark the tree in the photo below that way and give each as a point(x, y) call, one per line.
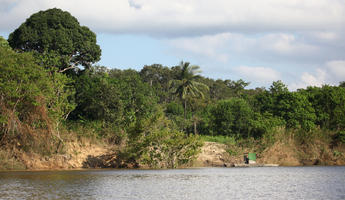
point(97, 97)
point(159, 145)
point(329, 105)
point(237, 86)
point(342, 84)
point(231, 117)
point(4, 43)
point(293, 107)
point(112, 97)
point(187, 85)
point(138, 105)
point(278, 87)
point(32, 101)
point(220, 90)
point(158, 77)
point(56, 33)
point(21, 82)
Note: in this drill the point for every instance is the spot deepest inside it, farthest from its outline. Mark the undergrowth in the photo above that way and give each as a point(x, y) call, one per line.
point(227, 140)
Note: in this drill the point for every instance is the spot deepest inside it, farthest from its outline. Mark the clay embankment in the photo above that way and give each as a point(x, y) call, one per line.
point(282, 153)
point(212, 154)
point(215, 155)
point(77, 155)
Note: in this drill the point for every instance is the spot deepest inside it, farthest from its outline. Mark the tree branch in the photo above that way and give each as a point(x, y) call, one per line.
point(70, 67)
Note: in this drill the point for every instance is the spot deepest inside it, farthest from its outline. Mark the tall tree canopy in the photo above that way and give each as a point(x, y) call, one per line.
point(187, 85)
point(56, 33)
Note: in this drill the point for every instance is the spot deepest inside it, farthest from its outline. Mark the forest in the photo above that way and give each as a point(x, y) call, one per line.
point(51, 90)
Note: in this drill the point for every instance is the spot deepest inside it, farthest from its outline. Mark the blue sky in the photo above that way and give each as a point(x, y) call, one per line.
point(300, 42)
point(133, 51)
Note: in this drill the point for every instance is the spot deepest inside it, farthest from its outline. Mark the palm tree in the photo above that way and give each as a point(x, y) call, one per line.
point(187, 85)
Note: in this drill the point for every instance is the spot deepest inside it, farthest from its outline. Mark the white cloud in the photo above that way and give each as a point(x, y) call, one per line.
point(336, 70)
point(226, 47)
point(285, 44)
point(262, 75)
point(134, 4)
point(326, 35)
point(191, 17)
point(332, 73)
point(221, 33)
point(318, 78)
point(265, 30)
point(210, 46)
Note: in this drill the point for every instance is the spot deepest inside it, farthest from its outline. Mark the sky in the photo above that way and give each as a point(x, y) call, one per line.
point(301, 42)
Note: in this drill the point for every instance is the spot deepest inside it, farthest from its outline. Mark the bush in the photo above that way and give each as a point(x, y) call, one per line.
point(33, 103)
point(174, 108)
point(156, 143)
point(340, 137)
point(219, 139)
point(264, 123)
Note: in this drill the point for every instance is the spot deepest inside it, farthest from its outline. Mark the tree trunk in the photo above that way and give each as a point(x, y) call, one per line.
point(185, 115)
point(185, 108)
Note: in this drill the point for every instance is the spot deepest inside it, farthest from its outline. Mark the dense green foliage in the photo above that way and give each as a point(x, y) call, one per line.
point(57, 34)
point(231, 117)
point(186, 86)
point(150, 114)
point(33, 101)
point(293, 107)
point(329, 105)
point(157, 143)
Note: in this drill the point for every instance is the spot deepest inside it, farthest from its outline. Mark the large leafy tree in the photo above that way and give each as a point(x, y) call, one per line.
point(293, 107)
point(57, 35)
point(97, 97)
point(114, 97)
point(342, 84)
point(158, 77)
point(225, 89)
point(231, 117)
point(329, 104)
point(187, 84)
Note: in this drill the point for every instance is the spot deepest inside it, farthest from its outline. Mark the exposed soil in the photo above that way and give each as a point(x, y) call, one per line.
point(215, 155)
point(75, 157)
point(283, 153)
point(90, 155)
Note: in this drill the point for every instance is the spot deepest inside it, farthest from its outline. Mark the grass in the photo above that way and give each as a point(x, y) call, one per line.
point(219, 139)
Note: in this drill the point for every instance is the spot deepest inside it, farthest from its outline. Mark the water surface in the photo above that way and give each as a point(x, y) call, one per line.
point(205, 183)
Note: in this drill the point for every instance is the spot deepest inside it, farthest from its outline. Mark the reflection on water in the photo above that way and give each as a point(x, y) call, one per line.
point(207, 183)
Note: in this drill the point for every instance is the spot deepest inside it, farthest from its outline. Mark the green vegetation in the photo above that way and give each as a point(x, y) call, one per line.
point(57, 39)
point(219, 139)
point(157, 117)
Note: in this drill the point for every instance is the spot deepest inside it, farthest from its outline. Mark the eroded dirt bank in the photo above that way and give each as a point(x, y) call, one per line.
point(282, 153)
point(89, 155)
point(77, 155)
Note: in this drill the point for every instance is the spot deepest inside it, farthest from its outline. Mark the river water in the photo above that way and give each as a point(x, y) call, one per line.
point(204, 183)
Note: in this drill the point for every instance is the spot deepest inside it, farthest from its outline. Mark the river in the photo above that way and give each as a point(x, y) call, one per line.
point(181, 184)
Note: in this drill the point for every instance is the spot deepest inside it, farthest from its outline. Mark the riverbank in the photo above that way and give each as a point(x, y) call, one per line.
point(283, 153)
point(87, 154)
point(76, 155)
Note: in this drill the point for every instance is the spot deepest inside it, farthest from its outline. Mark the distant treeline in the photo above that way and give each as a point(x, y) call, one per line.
point(203, 105)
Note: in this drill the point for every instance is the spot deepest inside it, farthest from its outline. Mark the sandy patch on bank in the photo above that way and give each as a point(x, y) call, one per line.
point(75, 157)
point(215, 155)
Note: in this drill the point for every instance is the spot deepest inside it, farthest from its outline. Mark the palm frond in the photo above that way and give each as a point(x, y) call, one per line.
point(186, 84)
